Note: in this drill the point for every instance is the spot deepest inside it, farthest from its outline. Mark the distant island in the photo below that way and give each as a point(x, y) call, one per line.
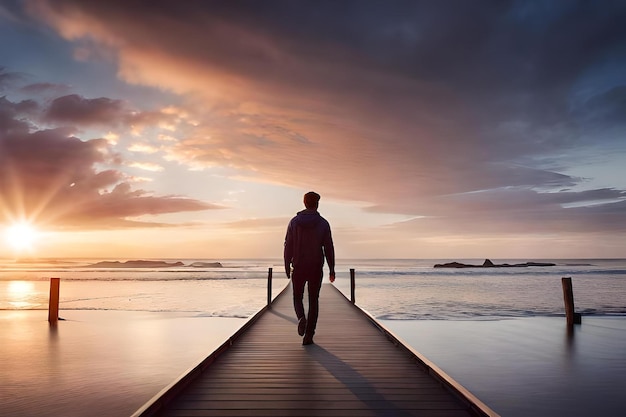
point(151, 264)
point(135, 264)
point(489, 264)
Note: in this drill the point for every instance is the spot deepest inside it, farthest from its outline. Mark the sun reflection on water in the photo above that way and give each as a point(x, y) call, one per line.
point(19, 293)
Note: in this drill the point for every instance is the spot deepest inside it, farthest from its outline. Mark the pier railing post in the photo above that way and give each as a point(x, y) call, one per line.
point(352, 286)
point(53, 303)
point(269, 286)
point(568, 296)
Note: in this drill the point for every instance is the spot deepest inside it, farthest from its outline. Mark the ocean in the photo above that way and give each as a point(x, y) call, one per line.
point(498, 331)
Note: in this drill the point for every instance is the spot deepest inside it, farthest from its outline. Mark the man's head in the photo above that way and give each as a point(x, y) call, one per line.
point(311, 200)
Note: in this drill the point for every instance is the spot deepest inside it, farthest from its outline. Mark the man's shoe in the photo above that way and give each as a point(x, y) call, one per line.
point(308, 340)
point(301, 326)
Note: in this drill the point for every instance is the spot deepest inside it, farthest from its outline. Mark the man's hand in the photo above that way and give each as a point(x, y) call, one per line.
point(332, 277)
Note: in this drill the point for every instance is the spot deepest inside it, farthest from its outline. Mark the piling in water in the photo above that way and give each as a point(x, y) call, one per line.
point(568, 296)
point(53, 305)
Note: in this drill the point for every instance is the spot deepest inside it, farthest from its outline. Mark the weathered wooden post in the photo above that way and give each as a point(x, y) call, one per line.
point(53, 303)
point(568, 296)
point(352, 286)
point(269, 286)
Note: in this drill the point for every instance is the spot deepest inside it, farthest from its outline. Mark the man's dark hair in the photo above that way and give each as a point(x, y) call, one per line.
point(311, 200)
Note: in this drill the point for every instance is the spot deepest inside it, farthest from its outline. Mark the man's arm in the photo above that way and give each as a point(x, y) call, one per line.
point(329, 253)
point(288, 251)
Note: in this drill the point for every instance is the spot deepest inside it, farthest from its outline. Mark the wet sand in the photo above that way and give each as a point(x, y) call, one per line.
point(104, 363)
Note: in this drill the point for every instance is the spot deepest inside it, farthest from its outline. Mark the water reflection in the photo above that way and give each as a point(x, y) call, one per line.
point(536, 367)
point(50, 371)
point(570, 339)
point(53, 332)
point(19, 293)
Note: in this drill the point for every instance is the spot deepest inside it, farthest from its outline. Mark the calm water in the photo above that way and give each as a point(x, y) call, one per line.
point(487, 328)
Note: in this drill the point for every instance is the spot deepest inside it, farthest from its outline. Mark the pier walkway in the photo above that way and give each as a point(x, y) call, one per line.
point(355, 368)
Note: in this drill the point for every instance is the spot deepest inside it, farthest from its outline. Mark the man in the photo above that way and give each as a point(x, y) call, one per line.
point(307, 243)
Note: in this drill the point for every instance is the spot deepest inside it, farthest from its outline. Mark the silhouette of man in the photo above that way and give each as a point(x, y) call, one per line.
point(307, 243)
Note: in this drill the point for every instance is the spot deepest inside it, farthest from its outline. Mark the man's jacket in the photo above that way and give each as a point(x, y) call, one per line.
point(308, 242)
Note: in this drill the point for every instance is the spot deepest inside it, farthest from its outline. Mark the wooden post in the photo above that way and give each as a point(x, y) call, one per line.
point(53, 304)
point(568, 296)
point(352, 286)
point(269, 286)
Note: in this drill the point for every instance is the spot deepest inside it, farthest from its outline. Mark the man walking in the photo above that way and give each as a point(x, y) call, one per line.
point(307, 243)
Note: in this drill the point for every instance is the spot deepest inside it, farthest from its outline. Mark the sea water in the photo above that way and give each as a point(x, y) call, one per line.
point(389, 289)
point(499, 331)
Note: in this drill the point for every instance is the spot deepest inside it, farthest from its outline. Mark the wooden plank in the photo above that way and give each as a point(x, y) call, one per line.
point(351, 370)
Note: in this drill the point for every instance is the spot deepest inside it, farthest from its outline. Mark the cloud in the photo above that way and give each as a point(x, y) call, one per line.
point(543, 219)
point(44, 88)
point(143, 148)
point(78, 110)
point(51, 177)
point(75, 110)
point(456, 109)
point(8, 78)
point(11, 119)
point(146, 166)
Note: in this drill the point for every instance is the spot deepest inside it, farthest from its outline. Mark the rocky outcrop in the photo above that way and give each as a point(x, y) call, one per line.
point(489, 264)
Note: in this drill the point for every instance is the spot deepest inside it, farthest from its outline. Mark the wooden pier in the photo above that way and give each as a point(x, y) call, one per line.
point(355, 368)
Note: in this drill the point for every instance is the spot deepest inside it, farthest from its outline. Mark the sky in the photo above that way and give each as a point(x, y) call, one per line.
point(448, 130)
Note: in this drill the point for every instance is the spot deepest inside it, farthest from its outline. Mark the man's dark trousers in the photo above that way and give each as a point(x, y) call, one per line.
point(312, 276)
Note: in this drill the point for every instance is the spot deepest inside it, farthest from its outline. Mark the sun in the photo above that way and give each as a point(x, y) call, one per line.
point(21, 236)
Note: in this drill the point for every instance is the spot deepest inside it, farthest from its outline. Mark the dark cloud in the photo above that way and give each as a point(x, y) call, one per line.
point(75, 110)
point(50, 176)
point(78, 110)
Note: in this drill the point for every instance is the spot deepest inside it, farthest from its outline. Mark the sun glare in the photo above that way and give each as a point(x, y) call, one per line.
point(21, 236)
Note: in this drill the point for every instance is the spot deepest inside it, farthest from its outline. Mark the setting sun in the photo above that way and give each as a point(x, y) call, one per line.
point(21, 236)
